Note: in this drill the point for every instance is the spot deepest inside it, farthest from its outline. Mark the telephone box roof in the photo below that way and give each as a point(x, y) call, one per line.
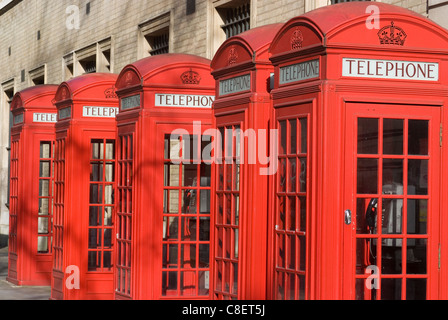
point(39, 96)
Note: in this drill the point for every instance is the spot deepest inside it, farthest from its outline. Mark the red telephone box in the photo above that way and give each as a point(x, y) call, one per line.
point(84, 188)
point(164, 182)
point(242, 115)
point(31, 185)
point(359, 98)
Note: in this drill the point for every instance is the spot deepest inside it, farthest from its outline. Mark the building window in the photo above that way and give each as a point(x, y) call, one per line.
point(229, 18)
point(236, 19)
point(38, 76)
point(154, 36)
point(94, 58)
point(5, 100)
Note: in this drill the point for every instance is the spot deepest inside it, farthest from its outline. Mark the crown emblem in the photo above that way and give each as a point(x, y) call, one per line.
point(190, 77)
point(110, 93)
point(233, 56)
point(392, 35)
point(296, 39)
point(64, 93)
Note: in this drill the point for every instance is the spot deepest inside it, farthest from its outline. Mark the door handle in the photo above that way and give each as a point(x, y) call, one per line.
point(348, 217)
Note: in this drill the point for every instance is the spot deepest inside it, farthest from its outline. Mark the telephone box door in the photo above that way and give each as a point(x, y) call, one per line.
point(391, 218)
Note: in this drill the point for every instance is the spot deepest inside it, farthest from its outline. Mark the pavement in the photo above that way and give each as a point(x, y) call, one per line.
point(8, 291)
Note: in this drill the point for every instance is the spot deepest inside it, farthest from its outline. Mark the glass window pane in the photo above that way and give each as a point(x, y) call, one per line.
point(97, 149)
point(366, 216)
point(108, 216)
point(293, 136)
point(95, 238)
point(107, 260)
point(283, 137)
point(204, 283)
point(367, 136)
point(189, 201)
point(303, 135)
point(291, 242)
point(95, 216)
point(44, 169)
point(416, 289)
point(170, 228)
point(96, 172)
point(393, 136)
point(292, 214)
point(188, 256)
point(189, 175)
point(281, 217)
point(44, 206)
point(188, 283)
point(292, 173)
point(43, 226)
point(418, 177)
point(110, 172)
point(171, 175)
point(303, 175)
point(416, 256)
point(391, 289)
point(281, 174)
point(188, 231)
point(204, 201)
point(171, 201)
point(42, 245)
point(108, 238)
point(110, 150)
point(44, 188)
point(204, 255)
point(418, 137)
point(45, 150)
point(108, 195)
point(367, 176)
point(302, 253)
point(417, 216)
point(392, 176)
point(302, 209)
point(391, 256)
point(206, 173)
point(392, 219)
point(204, 229)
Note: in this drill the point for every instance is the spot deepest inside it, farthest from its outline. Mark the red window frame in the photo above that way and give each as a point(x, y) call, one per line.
point(124, 243)
point(46, 186)
point(14, 192)
point(292, 218)
point(59, 185)
point(186, 241)
point(101, 205)
point(228, 210)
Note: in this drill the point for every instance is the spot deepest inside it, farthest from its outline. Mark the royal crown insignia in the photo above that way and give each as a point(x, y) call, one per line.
point(296, 39)
point(392, 35)
point(233, 56)
point(110, 93)
point(190, 77)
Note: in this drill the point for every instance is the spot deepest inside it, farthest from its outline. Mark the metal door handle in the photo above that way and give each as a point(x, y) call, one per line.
point(348, 217)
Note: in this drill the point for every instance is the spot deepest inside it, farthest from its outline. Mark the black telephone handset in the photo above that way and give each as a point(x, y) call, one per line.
point(371, 213)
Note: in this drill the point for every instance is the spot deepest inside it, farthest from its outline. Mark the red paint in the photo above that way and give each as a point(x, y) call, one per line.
point(163, 223)
point(242, 71)
point(85, 161)
point(366, 87)
point(32, 138)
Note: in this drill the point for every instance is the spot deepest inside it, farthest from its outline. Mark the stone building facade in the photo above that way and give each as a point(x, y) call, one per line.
point(47, 41)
